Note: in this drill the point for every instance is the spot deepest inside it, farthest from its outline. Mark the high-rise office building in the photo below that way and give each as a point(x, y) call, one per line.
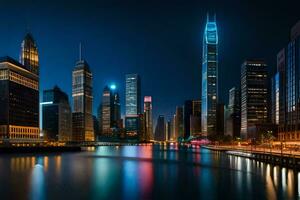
point(195, 121)
point(179, 122)
point(253, 95)
point(133, 105)
point(160, 129)
point(233, 113)
point(148, 117)
point(56, 116)
point(107, 109)
point(116, 118)
point(220, 119)
point(110, 111)
point(168, 131)
point(209, 78)
point(83, 128)
point(96, 128)
point(287, 84)
point(187, 113)
point(19, 100)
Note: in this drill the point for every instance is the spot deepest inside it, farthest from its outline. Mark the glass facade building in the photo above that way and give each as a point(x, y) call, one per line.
point(82, 118)
point(132, 104)
point(253, 95)
point(288, 68)
point(56, 116)
point(107, 100)
point(160, 129)
point(19, 100)
point(209, 78)
point(232, 121)
point(148, 117)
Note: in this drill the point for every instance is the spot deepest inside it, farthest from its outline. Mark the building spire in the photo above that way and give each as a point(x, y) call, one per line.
point(207, 17)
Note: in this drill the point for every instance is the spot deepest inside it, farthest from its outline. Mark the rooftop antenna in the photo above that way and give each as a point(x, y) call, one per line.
point(80, 51)
point(207, 17)
point(215, 17)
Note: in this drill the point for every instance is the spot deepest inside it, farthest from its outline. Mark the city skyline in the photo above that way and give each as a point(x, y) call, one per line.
point(112, 68)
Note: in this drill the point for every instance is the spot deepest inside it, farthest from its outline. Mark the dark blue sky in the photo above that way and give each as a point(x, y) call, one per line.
point(160, 40)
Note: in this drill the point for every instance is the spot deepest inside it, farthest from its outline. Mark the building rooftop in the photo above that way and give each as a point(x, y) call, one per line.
point(82, 64)
point(11, 60)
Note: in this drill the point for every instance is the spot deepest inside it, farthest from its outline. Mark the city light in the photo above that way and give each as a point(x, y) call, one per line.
point(113, 86)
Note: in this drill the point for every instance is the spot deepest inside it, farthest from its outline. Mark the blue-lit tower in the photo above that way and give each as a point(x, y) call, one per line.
point(209, 77)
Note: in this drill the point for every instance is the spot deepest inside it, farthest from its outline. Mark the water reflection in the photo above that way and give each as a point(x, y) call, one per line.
point(37, 191)
point(144, 172)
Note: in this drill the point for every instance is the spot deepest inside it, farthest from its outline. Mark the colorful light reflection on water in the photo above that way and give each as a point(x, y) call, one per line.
point(143, 172)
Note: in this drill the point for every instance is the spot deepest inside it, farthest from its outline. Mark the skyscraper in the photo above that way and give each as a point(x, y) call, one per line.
point(209, 77)
point(253, 95)
point(168, 131)
point(29, 54)
point(116, 118)
point(160, 129)
point(287, 84)
point(110, 111)
point(148, 117)
point(107, 103)
point(19, 100)
point(195, 123)
point(83, 128)
point(187, 113)
point(56, 115)
point(233, 113)
point(19, 94)
point(133, 104)
point(179, 122)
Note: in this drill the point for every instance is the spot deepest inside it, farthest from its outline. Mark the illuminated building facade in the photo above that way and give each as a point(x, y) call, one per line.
point(56, 116)
point(132, 104)
point(209, 78)
point(107, 103)
point(288, 67)
point(82, 118)
point(19, 100)
point(253, 95)
point(148, 117)
point(29, 54)
point(110, 111)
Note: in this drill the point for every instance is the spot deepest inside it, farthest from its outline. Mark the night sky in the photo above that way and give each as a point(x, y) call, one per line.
point(160, 40)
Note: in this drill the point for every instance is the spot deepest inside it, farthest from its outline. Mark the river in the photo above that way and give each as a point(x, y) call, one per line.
point(143, 172)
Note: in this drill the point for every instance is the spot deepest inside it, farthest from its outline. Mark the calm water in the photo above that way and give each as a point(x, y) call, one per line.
point(143, 172)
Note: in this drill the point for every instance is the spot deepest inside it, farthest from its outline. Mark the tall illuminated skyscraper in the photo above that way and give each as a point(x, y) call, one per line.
point(106, 111)
point(253, 95)
point(29, 54)
point(133, 104)
point(83, 128)
point(148, 117)
point(209, 77)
